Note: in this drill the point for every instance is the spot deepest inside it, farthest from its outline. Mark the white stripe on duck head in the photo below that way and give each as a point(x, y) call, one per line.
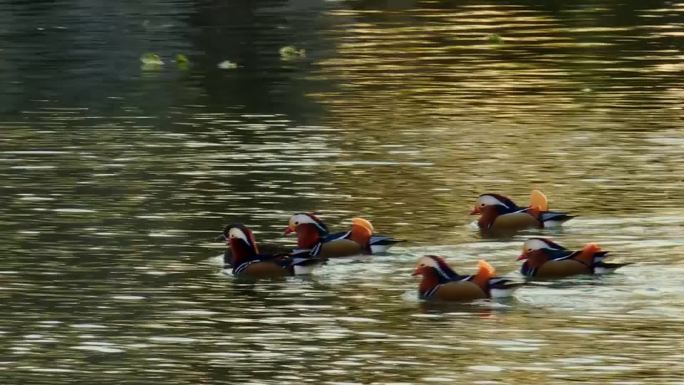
point(241, 241)
point(533, 244)
point(310, 230)
point(300, 219)
point(445, 272)
point(491, 199)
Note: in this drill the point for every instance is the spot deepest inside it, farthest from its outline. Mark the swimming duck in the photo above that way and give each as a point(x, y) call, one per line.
point(313, 235)
point(499, 214)
point(547, 259)
point(246, 261)
point(440, 282)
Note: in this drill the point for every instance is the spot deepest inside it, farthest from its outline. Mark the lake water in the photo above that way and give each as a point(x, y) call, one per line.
point(116, 177)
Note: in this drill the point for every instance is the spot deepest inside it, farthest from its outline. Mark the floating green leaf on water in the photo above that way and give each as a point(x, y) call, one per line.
point(151, 59)
point(494, 39)
point(227, 65)
point(151, 62)
point(182, 62)
point(291, 52)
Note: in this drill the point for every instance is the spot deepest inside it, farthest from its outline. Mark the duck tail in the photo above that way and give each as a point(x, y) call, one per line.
point(604, 268)
point(485, 272)
point(589, 253)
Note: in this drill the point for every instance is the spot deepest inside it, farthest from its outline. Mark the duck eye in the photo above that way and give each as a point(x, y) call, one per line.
point(296, 222)
point(482, 205)
point(529, 250)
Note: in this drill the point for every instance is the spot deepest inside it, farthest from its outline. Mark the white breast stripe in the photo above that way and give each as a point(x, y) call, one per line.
point(243, 266)
point(431, 292)
point(343, 236)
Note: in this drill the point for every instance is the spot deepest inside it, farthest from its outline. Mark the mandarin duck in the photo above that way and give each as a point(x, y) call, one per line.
point(245, 260)
point(313, 235)
point(547, 259)
point(441, 282)
point(499, 214)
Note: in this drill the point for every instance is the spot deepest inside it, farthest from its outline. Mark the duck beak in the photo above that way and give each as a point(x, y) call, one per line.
point(522, 257)
point(475, 211)
point(288, 230)
point(221, 238)
point(417, 271)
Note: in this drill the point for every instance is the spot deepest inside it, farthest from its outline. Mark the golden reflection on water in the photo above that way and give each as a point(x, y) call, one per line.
point(554, 107)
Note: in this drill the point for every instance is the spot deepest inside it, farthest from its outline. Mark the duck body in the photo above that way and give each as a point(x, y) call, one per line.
point(261, 267)
point(246, 261)
point(545, 259)
point(500, 214)
point(313, 235)
point(441, 283)
point(343, 244)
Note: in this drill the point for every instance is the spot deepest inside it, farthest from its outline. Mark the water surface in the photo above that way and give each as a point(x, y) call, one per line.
point(116, 178)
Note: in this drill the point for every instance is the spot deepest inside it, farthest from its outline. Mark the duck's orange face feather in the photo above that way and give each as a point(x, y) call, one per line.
point(419, 270)
point(536, 258)
point(429, 277)
point(524, 254)
point(488, 215)
point(308, 227)
point(242, 243)
point(307, 236)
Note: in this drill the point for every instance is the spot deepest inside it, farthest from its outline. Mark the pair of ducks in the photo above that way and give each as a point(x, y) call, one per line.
point(544, 259)
point(315, 245)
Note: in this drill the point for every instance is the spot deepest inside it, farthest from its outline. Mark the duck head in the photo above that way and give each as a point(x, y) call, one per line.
point(539, 248)
point(308, 227)
point(496, 201)
point(433, 265)
point(426, 263)
point(240, 240)
point(490, 207)
point(434, 271)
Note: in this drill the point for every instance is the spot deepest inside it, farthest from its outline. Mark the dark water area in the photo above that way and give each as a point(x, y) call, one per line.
point(116, 176)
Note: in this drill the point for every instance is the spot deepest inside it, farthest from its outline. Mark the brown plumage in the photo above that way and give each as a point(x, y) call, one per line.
point(268, 269)
point(245, 259)
point(459, 291)
point(501, 216)
point(546, 259)
point(560, 269)
point(440, 282)
point(494, 222)
point(313, 234)
point(339, 248)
